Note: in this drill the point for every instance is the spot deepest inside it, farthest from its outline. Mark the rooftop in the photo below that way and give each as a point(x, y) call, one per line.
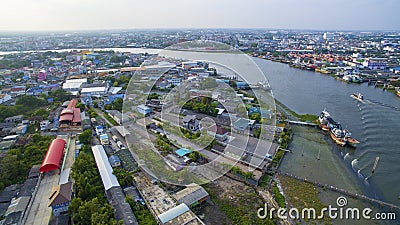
point(104, 166)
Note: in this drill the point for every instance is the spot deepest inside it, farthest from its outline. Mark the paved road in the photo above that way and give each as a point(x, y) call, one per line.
point(40, 213)
point(70, 157)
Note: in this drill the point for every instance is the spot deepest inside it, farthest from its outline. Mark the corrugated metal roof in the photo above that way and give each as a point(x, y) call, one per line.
point(173, 213)
point(64, 176)
point(53, 155)
point(104, 166)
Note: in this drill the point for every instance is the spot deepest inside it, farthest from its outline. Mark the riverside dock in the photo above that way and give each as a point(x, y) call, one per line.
point(295, 122)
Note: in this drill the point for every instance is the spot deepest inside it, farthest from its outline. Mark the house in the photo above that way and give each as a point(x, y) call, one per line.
point(104, 139)
point(4, 98)
point(114, 161)
point(18, 90)
point(16, 210)
point(192, 195)
point(60, 198)
point(264, 113)
point(44, 125)
point(118, 116)
point(191, 123)
point(218, 132)
point(14, 119)
point(144, 110)
point(242, 125)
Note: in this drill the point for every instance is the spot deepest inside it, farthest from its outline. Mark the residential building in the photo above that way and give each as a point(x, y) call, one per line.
point(192, 195)
point(60, 198)
point(144, 110)
point(114, 161)
point(191, 123)
point(4, 98)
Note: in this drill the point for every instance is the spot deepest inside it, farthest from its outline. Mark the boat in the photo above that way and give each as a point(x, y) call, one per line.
point(323, 120)
point(357, 96)
point(350, 140)
point(337, 136)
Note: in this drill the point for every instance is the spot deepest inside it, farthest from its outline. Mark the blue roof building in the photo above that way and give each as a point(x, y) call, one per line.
point(114, 161)
point(182, 152)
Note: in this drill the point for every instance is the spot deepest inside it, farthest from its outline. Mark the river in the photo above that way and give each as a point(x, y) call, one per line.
point(374, 122)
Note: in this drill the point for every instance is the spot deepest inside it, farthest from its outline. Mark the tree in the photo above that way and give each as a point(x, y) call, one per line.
point(257, 132)
point(80, 105)
point(60, 95)
point(86, 137)
point(124, 177)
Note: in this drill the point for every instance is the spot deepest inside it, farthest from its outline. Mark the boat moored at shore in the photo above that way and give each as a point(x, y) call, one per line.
point(339, 135)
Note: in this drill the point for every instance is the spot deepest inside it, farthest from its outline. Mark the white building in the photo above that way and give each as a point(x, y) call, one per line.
point(94, 91)
point(74, 85)
point(4, 98)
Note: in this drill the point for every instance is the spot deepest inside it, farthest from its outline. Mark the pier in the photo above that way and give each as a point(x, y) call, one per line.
point(340, 190)
point(301, 123)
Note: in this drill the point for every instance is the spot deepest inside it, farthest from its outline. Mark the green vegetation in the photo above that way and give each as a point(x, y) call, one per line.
point(303, 195)
point(264, 180)
point(85, 137)
point(163, 143)
point(90, 205)
point(208, 83)
point(142, 213)
point(15, 166)
point(203, 105)
point(92, 113)
point(284, 143)
point(190, 135)
point(257, 132)
point(246, 175)
point(301, 117)
point(111, 120)
point(14, 63)
point(278, 196)
point(25, 105)
point(115, 105)
point(243, 210)
point(124, 177)
point(153, 96)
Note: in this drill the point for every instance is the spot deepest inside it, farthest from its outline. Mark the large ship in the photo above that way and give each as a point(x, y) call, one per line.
point(323, 119)
point(339, 135)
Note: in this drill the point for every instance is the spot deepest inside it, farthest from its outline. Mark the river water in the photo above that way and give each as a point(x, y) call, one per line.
point(374, 122)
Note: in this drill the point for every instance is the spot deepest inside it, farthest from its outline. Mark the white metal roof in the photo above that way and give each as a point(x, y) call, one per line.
point(93, 89)
point(105, 169)
point(114, 90)
point(173, 213)
point(64, 176)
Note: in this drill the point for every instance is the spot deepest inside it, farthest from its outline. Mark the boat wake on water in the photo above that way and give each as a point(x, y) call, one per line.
point(383, 105)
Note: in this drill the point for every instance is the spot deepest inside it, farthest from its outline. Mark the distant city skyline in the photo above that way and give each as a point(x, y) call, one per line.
point(59, 15)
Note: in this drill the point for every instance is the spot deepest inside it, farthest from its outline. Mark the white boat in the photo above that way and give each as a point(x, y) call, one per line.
point(357, 96)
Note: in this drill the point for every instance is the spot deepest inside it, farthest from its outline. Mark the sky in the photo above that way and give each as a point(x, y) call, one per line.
point(43, 15)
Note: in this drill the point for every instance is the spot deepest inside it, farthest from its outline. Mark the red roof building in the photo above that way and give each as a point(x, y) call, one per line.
point(53, 156)
point(71, 115)
point(72, 104)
